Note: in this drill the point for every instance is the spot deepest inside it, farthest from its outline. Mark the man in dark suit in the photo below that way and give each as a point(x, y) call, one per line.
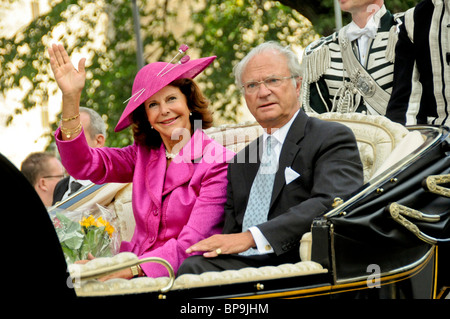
point(315, 161)
point(95, 129)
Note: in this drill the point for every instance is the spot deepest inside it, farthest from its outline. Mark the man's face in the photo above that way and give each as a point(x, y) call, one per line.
point(355, 5)
point(272, 107)
point(86, 122)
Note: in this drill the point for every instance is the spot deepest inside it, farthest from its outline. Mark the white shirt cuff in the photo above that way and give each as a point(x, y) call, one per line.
point(262, 244)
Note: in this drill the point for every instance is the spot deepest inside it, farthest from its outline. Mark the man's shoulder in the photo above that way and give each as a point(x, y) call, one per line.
point(63, 183)
point(320, 127)
point(316, 45)
point(317, 57)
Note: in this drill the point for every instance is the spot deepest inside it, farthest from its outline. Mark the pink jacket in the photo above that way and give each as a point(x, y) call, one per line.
point(173, 209)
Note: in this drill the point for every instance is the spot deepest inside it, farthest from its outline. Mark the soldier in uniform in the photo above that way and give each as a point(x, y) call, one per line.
point(352, 69)
point(421, 91)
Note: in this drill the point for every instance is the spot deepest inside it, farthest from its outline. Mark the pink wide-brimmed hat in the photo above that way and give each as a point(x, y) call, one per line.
point(154, 76)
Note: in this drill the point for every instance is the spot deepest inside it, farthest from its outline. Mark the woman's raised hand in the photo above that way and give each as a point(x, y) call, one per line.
point(70, 80)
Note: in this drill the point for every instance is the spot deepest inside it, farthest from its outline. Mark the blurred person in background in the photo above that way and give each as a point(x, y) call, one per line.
point(43, 170)
point(95, 129)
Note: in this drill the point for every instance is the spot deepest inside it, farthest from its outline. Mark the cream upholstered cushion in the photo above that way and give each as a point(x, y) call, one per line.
point(146, 284)
point(113, 286)
point(235, 136)
point(376, 135)
point(407, 145)
point(213, 278)
point(305, 247)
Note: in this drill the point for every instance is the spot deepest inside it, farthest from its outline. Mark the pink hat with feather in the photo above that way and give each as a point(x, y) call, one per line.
point(154, 76)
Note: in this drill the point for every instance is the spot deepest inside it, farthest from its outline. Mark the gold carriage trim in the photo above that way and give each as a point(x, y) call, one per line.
point(432, 184)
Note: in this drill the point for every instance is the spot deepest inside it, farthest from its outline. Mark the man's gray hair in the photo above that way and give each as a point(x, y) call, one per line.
point(292, 60)
point(97, 124)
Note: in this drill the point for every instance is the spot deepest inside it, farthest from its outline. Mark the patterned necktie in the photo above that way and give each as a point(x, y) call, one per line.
point(261, 192)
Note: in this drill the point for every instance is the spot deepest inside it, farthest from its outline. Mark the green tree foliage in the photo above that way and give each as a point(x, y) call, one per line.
point(321, 13)
point(231, 29)
point(227, 29)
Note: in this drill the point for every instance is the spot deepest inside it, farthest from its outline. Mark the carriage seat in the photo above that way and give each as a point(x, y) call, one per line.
point(118, 286)
point(377, 139)
point(381, 143)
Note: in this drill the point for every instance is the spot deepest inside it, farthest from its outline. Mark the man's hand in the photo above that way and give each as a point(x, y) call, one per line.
point(223, 244)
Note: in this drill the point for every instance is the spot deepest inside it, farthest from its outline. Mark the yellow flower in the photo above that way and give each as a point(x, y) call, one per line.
point(87, 222)
point(103, 223)
point(109, 229)
point(99, 222)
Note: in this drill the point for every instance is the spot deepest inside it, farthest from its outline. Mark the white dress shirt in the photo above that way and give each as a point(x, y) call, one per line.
point(83, 183)
point(363, 35)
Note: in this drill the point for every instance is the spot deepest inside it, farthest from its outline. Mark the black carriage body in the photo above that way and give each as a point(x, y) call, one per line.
point(361, 241)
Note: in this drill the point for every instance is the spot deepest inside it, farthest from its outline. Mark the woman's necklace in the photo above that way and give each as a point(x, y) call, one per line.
point(170, 155)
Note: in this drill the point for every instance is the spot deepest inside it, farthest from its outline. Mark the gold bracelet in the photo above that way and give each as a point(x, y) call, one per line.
point(68, 133)
point(70, 118)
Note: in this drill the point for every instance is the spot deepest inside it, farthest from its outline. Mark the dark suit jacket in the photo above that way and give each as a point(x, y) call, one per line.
point(60, 189)
point(326, 156)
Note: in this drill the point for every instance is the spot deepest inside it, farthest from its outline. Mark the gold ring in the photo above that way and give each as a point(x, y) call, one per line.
point(218, 251)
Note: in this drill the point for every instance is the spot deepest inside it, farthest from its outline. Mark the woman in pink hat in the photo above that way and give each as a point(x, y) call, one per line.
point(178, 172)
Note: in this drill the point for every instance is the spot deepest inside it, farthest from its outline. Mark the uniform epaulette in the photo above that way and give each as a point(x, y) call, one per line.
point(316, 59)
point(393, 36)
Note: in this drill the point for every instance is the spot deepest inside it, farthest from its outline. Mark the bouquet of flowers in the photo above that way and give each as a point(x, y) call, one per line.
point(87, 231)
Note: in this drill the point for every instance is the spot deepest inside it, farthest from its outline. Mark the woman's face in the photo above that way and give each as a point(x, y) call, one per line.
point(168, 113)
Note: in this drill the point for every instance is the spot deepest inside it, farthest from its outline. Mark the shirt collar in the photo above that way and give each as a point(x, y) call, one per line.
point(372, 25)
point(82, 182)
point(281, 133)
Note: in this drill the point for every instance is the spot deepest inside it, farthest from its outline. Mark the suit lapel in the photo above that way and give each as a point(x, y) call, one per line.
point(290, 148)
point(60, 189)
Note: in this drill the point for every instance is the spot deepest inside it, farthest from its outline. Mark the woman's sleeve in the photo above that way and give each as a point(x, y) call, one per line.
point(99, 165)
